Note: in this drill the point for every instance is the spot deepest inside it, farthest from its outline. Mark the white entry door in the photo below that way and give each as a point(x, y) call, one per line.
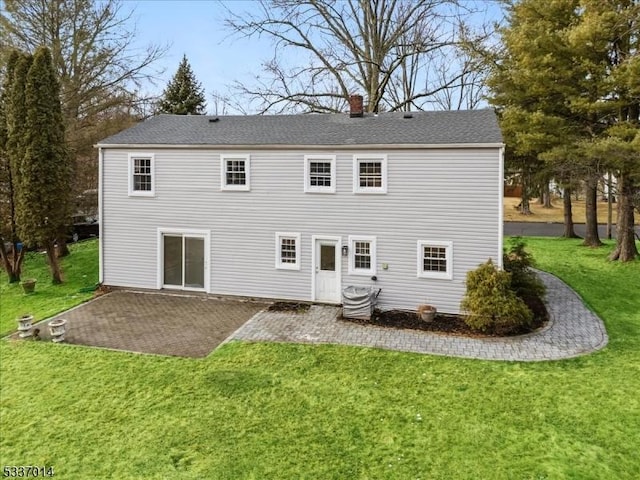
point(327, 265)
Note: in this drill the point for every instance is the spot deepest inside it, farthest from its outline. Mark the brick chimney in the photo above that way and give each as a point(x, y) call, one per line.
point(356, 108)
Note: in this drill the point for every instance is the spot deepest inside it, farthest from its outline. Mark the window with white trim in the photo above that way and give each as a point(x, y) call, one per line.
point(320, 173)
point(362, 255)
point(235, 172)
point(369, 174)
point(141, 173)
point(435, 259)
point(288, 251)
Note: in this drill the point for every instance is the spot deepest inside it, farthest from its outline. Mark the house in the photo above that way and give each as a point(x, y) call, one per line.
point(300, 206)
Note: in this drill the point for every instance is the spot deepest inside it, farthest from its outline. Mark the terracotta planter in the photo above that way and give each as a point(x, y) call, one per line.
point(28, 285)
point(427, 312)
point(58, 329)
point(25, 323)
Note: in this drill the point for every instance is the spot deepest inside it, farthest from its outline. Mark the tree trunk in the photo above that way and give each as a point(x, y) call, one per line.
point(547, 197)
point(626, 249)
point(63, 249)
point(54, 265)
point(609, 207)
point(12, 263)
point(524, 206)
point(569, 231)
point(6, 263)
point(591, 239)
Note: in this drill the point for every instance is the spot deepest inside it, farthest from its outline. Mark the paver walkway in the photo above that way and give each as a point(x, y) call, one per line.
point(573, 330)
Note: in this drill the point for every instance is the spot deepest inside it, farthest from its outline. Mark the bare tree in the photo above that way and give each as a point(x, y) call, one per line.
point(99, 70)
point(92, 49)
point(468, 88)
point(398, 52)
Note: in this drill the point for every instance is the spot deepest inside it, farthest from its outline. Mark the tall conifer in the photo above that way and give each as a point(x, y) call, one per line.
point(12, 151)
point(45, 170)
point(184, 94)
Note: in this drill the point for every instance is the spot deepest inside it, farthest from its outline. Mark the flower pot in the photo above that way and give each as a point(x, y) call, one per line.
point(28, 285)
point(427, 313)
point(25, 323)
point(58, 329)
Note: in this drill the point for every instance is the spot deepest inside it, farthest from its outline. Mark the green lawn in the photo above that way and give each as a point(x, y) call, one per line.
point(80, 270)
point(260, 411)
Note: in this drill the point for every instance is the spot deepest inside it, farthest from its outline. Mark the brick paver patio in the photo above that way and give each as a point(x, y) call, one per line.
point(188, 326)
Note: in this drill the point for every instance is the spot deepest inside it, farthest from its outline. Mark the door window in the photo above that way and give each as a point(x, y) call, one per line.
point(328, 257)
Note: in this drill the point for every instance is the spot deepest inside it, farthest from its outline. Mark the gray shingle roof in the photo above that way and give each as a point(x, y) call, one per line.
point(442, 127)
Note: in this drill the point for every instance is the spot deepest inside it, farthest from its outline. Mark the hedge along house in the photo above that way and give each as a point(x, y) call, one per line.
point(298, 207)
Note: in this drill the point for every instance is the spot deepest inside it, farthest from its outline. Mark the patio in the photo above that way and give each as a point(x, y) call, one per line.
point(165, 324)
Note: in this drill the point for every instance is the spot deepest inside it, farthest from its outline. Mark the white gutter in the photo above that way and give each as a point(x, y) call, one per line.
point(501, 207)
point(100, 217)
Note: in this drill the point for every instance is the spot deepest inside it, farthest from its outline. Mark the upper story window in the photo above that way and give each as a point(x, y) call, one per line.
point(435, 259)
point(235, 172)
point(288, 251)
point(141, 174)
point(362, 255)
point(370, 174)
point(320, 173)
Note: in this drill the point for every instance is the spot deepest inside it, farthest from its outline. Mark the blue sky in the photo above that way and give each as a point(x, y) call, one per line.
point(196, 28)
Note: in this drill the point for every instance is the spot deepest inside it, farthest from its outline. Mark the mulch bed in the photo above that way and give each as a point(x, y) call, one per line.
point(450, 324)
point(289, 307)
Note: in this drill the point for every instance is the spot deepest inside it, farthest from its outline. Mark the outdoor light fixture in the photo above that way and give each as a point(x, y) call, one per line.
point(345, 250)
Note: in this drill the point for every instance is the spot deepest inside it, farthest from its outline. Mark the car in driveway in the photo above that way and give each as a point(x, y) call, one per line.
point(83, 226)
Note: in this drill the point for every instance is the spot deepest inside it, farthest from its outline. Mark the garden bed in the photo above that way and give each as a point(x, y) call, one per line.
point(289, 307)
point(448, 323)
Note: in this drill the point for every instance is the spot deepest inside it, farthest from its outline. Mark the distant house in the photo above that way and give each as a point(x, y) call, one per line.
point(300, 206)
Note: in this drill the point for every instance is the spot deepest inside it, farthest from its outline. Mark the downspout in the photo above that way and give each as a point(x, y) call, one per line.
point(100, 217)
point(500, 206)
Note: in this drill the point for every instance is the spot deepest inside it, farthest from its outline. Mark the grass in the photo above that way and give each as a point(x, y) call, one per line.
point(80, 270)
point(260, 411)
point(611, 289)
point(555, 214)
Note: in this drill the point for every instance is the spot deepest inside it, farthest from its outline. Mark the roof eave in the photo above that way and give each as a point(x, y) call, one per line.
point(398, 146)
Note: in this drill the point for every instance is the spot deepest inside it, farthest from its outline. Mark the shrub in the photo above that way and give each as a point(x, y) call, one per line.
point(518, 262)
point(491, 304)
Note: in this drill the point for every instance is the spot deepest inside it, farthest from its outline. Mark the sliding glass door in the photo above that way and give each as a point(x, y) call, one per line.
point(183, 261)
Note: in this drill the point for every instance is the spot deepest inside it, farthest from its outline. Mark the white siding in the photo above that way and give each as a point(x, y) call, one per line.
point(438, 194)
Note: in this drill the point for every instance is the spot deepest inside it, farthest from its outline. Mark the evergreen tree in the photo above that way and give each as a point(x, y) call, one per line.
point(607, 40)
point(11, 263)
point(184, 95)
point(12, 119)
point(45, 170)
point(16, 111)
point(566, 75)
point(532, 79)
